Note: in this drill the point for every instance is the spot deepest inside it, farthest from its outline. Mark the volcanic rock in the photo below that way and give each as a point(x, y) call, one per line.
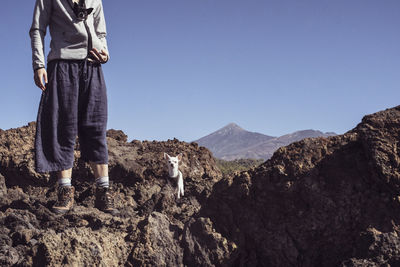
point(149, 211)
point(158, 243)
point(318, 202)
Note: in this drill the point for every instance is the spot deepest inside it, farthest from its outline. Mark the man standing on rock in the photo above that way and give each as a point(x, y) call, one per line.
point(74, 99)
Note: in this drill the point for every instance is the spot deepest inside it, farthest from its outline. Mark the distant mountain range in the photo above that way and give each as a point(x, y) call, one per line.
point(233, 142)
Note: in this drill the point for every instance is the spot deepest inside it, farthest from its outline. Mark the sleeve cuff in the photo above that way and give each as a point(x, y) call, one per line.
point(36, 67)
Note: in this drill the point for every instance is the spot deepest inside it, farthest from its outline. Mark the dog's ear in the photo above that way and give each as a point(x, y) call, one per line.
point(166, 155)
point(180, 156)
point(89, 10)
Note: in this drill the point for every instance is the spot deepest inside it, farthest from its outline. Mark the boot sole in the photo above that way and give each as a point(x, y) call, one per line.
point(60, 211)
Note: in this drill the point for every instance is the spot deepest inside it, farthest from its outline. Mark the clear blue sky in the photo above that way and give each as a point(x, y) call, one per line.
point(184, 68)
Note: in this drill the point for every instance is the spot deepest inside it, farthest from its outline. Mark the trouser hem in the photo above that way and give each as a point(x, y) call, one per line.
point(54, 168)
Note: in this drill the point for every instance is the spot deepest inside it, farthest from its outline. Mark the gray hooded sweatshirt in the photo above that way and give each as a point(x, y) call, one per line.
point(69, 35)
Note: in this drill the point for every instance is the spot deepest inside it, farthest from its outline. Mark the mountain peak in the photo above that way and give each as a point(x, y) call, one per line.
point(232, 137)
point(232, 126)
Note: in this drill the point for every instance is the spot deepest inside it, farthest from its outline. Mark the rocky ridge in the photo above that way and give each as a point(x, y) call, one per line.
point(318, 202)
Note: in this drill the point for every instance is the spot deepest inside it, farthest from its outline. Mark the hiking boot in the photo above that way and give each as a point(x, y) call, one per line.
point(105, 201)
point(65, 200)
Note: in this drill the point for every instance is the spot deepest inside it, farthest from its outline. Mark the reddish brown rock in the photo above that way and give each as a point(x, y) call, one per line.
point(32, 235)
point(318, 202)
point(157, 243)
point(310, 204)
point(205, 246)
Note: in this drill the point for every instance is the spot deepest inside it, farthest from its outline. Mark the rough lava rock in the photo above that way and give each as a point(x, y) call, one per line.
point(158, 243)
point(151, 218)
point(318, 202)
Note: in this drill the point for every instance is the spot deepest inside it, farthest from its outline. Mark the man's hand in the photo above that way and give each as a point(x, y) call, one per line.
point(98, 56)
point(39, 76)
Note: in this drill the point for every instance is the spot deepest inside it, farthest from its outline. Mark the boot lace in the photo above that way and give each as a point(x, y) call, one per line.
point(63, 196)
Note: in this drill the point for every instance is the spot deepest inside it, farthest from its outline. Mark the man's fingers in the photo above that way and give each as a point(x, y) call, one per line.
point(97, 52)
point(45, 78)
point(37, 81)
point(42, 75)
point(41, 84)
point(105, 55)
point(39, 76)
point(95, 56)
point(99, 56)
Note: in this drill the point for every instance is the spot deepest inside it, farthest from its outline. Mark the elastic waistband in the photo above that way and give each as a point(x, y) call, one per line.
point(78, 61)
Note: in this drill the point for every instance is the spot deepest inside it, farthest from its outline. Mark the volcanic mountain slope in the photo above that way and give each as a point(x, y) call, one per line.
point(230, 139)
point(318, 202)
point(233, 142)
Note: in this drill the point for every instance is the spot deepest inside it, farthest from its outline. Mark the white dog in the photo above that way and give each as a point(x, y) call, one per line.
point(174, 172)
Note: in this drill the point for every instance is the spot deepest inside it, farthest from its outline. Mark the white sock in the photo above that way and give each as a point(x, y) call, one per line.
point(103, 181)
point(64, 182)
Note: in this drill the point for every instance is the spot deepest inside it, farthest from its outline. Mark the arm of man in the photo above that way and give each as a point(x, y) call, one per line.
point(101, 56)
point(37, 32)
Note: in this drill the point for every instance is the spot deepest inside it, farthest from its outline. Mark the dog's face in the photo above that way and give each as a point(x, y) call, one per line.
point(173, 164)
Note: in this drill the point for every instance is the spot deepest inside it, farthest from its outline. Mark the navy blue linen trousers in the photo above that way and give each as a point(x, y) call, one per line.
point(73, 104)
